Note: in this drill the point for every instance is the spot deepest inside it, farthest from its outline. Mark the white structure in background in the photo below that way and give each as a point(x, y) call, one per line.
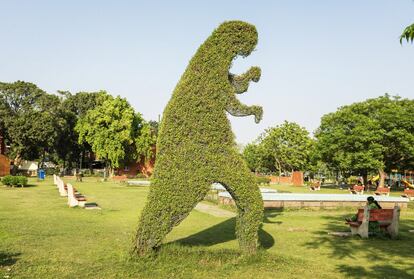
point(29, 167)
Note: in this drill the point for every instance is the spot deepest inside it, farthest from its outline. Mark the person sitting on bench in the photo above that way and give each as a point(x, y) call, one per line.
point(373, 225)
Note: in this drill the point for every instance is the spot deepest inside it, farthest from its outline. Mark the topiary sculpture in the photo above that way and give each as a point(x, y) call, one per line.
point(196, 145)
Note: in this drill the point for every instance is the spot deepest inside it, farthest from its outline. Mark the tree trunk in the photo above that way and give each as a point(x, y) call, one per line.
point(382, 175)
point(365, 179)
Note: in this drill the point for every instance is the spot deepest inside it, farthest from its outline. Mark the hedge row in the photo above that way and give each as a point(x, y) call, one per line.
point(10, 180)
point(196, 145)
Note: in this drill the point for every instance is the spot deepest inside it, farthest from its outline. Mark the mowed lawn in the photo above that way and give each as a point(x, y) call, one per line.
point(40, 237)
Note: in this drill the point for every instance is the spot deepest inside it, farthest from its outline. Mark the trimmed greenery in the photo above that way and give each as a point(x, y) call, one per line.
point(10, 180)
point(196, 145)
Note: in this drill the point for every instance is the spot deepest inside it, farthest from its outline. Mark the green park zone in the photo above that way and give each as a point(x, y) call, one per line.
point(91, 189)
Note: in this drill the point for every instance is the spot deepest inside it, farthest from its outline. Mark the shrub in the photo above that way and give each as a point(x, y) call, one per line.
point(262, 180)
point(7, 180)
point(196, 145)
point(10, 180)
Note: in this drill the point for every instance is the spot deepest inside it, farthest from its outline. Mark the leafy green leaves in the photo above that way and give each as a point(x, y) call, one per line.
point(110, 129)
point(408, 34)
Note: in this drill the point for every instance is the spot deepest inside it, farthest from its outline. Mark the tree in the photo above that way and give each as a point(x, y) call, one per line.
point(257, 159)
point(289, 145)
point(30, 120)
point(111, 129)
point(349, 142)
point(408, 34)
point(374, 135)
point(73, 107)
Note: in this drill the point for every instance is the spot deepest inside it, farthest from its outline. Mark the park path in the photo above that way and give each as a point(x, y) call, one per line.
point(214, 210)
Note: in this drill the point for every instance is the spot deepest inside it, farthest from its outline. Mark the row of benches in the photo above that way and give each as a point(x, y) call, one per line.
point(382, 191)
point(74, 197)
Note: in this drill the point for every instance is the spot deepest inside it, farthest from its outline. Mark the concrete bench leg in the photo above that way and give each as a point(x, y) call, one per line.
point(393, 228)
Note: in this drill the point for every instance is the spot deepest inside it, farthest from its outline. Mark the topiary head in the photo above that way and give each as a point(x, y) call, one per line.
point(241, 36)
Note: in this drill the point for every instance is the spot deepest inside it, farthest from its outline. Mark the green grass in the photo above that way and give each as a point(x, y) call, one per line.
point(40, 237)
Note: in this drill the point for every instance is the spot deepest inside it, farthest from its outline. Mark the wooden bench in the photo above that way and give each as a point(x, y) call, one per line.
point(315, 186)
point(408, 193)
point(75, 199)
point(382, 191)
point(357, 190)
point(388, 220)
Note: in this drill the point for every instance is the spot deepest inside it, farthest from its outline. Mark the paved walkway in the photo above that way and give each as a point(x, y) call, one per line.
point(214, 210)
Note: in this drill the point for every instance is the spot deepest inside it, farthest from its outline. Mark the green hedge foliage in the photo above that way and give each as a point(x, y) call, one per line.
point(262, 180)
point(10, 180)
point(196, 145)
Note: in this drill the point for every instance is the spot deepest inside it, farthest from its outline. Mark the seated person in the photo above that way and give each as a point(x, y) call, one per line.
point(373, 226)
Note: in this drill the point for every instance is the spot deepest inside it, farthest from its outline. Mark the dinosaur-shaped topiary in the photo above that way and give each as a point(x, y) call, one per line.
point(196, 146)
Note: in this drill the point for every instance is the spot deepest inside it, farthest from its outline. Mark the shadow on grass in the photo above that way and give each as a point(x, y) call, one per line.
point(390, 258)
point(226, 231)
point(8, 259)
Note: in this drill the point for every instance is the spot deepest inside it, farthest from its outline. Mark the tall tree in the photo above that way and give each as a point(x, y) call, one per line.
point(111, 129)
point(374, 135)
point(257, 159)
point(290, 146)
point(30, 120)
point(74, 107)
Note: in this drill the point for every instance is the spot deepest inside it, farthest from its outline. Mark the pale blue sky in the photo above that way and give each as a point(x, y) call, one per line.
point(315, 55)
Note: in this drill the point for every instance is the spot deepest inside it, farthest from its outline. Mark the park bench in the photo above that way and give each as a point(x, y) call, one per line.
point(408, 193)
point(75, 199)
point(382, 191)
point(357, 189)
point(315, 186)
point(388, 220)
point(60, 185)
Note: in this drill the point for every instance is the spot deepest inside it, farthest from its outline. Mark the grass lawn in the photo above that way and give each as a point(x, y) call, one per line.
point(40, 237)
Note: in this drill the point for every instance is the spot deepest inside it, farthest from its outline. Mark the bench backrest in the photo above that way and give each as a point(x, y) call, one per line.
point(70, 190)
point(409, 191)
point(358, 188)
point(383, 189)
point(376, 214)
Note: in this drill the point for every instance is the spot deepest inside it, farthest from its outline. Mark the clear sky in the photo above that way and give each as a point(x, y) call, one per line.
point(315, 55)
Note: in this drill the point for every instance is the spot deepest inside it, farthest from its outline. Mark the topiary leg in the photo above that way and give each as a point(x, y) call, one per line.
point(168, 204)
point(241, 184)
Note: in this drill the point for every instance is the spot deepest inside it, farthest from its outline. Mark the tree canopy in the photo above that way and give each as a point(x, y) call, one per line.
point(30, 118)
point(286, 147)
point(111, 129)
point(376, 134)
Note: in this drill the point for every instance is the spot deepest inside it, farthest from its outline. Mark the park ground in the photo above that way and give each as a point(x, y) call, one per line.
point(40, 237)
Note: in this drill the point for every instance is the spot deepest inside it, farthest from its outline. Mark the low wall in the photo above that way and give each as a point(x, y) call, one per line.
point(273, 200)
point(296, 179)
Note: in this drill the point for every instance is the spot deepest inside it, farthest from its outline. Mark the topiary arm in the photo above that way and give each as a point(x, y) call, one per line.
point(235, 108)
point(241, 82)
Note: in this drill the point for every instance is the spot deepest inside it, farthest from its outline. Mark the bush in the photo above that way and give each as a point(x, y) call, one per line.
point(262, 180)
point(10, 180)
point(196, 145)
